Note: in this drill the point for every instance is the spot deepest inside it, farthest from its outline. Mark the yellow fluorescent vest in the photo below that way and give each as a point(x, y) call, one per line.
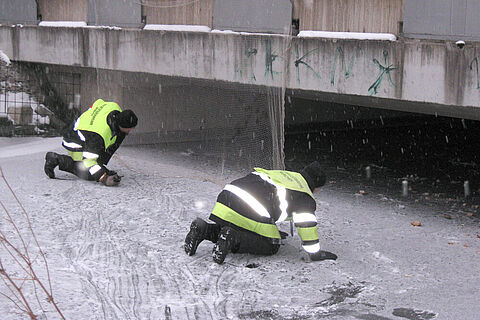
point(287, 179)
point(95, 120)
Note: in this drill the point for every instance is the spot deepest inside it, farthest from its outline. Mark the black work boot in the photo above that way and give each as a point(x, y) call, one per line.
point(227, 240)
point(51, 162)
point(197, 233)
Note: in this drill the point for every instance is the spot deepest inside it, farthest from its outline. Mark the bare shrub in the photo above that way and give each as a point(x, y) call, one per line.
point(25, 277)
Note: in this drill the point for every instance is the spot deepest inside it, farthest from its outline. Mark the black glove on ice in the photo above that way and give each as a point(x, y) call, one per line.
point(111, 180)
point(111, 172)
point(322, 255)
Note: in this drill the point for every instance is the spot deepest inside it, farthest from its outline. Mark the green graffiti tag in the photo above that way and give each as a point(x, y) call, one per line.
point(300, 60)
point(383, 71)
point(475, 61)
point(250, 54)
point(270, 57)
point(346, 71)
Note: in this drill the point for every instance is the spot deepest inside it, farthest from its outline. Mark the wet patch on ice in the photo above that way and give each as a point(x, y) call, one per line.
point(413, 314)
point(270, 315)
point(339, 294)
point(252, 265)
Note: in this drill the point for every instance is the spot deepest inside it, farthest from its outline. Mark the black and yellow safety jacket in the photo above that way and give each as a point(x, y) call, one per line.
point(94, 137)
point(259, 200)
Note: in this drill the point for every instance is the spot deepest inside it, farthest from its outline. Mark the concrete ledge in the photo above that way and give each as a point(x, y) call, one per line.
point(431, 74)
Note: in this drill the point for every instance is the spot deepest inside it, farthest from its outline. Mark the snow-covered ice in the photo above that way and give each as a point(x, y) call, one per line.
point(116, 253)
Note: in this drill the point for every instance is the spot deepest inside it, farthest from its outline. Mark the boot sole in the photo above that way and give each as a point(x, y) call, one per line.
point(193, 235)
point(221, 248)
point(48, 172)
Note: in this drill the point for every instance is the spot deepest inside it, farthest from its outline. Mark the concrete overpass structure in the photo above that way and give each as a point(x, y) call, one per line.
point(424, 76)
point(418, 76)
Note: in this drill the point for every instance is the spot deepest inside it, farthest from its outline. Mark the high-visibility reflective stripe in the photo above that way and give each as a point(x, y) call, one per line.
point(311, 248)
point(281, 194)
point(75, 155)
point(94, 169)
point(76, 124)
point(72, 145)
point(264, 229)
point(248, 199)
point(89, 155)
point(308, 234)
point(80, 134)
point(304, 217)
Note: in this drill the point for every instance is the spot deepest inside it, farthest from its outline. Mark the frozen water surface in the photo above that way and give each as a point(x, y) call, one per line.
point(116, 253)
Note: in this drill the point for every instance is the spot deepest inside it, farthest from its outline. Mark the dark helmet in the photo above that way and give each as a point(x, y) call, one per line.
point(314, 175)
point(127, 119)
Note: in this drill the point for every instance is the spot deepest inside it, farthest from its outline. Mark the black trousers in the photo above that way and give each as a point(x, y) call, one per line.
point(247, 241)
point(66, 163)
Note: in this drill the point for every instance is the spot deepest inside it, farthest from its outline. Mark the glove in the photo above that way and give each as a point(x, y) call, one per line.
point(110, 172)
point(111, 180)
point(322, 255)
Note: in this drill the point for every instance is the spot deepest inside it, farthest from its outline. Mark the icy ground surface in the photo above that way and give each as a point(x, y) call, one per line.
point(116, 253)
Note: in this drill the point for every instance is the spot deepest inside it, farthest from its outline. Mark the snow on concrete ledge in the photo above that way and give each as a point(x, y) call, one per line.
point(70, 24)
point(177, 27)
point(347, 35)
point(4, 58)
point(104, 27)
point(244, 33)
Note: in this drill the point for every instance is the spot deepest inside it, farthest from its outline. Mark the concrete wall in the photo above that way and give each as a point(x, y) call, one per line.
point(18, 11)
point(63, 10)
point(350, 15)
point(442, 19)
point(122, 13)
point(272, 16)
point(417, 76)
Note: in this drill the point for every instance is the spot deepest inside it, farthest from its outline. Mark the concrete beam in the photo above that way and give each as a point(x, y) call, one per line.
point(416, 75)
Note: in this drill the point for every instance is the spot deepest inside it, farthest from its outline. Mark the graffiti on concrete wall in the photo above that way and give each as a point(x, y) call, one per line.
point(340, 58)
point(474, 68)
point(302, 61)
point(385, 70)
point(270, 57)
point(250, 54)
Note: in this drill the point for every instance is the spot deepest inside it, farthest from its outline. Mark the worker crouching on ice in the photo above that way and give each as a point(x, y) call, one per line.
point(91, 141)
point(247, 210)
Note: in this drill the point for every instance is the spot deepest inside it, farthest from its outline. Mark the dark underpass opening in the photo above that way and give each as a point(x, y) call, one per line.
point(438, 156)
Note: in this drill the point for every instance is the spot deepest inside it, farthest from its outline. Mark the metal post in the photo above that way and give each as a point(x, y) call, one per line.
point(368, 172)
point(466, 188)
point(405, 188)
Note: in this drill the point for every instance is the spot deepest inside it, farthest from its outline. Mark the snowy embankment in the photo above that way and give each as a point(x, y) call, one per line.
point(16, 103)
point(4, 58)
point(116, 253)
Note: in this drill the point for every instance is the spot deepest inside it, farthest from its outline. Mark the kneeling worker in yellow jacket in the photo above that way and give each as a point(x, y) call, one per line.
point(247, 210)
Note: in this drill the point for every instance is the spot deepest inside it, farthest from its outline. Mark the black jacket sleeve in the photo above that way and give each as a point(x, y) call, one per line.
point(107, 155)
